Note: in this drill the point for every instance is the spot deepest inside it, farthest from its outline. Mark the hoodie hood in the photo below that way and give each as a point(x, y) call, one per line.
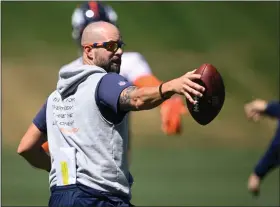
point(71, 75)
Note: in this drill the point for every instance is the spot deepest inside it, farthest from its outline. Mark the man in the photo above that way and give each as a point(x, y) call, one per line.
point(134, 67)
point(271, 159)
point(87, 122)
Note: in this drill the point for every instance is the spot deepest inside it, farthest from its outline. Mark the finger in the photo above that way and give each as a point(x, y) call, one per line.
point(192, 91)
point(190, 99)
point(250, 115)
point(193, 76)
point(193, 71)
point(194, 85)
point(256, 117)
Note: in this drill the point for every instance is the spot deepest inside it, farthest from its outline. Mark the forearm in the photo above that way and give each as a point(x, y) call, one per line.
point(145, 98)
point(30, 148)
point(266, 164)
point(271, 158)
point(38, 159)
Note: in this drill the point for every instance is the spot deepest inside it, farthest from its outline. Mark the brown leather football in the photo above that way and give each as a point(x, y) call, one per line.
point(210, 105)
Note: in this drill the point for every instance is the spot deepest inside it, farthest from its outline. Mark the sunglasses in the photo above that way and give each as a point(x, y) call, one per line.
point(111, 46)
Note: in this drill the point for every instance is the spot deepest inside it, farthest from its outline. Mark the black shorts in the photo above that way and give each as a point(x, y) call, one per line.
point(83, 196)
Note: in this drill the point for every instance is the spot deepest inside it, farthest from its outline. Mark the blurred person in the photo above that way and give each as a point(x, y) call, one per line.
point(134, 67)
point(87, 123)
point(271, 158)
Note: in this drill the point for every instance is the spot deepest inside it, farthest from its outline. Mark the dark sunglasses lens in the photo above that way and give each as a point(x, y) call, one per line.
point(112, 46)
point(121, 44)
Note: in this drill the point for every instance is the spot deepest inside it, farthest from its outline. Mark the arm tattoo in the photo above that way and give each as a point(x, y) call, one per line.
point(125, 99)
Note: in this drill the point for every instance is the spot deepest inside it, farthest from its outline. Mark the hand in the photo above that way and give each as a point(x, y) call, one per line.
point(254, 184)
point(171, 111)
point(185, 86)
point(254, 109)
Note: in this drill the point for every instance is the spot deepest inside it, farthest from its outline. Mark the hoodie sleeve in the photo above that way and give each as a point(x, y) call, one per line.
point(273, 109)
point(271, 157)
point(108, 92)
point(40, 119)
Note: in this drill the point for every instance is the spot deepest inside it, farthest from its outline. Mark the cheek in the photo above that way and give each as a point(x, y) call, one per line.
point(112, 54)
point(104, 55)
point(99, 54)
point(108, 55)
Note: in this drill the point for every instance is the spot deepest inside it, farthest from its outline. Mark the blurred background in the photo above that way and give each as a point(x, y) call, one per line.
point(206, 165)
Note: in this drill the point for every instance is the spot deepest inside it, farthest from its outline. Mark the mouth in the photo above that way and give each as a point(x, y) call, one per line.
point(117, 61)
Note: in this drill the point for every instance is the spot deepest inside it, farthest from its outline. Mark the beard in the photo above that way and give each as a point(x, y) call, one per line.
point(114, 67)
point(110, 65)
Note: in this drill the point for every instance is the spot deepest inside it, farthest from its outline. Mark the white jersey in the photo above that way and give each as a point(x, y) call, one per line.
point(133, 66)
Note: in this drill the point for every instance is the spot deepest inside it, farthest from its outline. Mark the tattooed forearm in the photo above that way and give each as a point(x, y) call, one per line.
point(144, 98)
point(125, 100)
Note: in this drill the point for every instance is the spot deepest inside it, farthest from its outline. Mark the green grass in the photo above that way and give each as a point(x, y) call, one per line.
point(205, 165)
point(189, 176)
point(195, 176)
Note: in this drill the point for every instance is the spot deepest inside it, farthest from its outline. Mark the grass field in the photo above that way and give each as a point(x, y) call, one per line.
point(198, 177)
point(205, 165)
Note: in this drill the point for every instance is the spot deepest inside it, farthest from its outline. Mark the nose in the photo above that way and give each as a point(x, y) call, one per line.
point(119, 51)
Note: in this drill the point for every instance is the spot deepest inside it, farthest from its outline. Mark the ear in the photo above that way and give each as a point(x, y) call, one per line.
point(88, 51)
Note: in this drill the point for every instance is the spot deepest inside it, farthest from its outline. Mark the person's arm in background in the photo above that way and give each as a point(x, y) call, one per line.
point(269, 161)
point(271, 158)
point(136, 69)
point(30, 146)
point(273, 109)
point(258, 107)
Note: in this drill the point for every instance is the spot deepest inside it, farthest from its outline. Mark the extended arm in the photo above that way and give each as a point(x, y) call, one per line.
point(145, 98)
point(120, 96)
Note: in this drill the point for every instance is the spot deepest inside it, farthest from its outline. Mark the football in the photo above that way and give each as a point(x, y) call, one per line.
point(210, 105)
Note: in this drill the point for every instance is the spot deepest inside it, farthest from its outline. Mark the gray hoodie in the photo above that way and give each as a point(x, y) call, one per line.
point(85, 148)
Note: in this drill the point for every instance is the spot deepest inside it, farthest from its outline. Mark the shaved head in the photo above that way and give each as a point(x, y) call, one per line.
point(107, 36)
point(98, 32)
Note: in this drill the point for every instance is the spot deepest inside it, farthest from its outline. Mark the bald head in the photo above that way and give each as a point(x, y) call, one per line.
point(99, 32)
point(104, 56)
